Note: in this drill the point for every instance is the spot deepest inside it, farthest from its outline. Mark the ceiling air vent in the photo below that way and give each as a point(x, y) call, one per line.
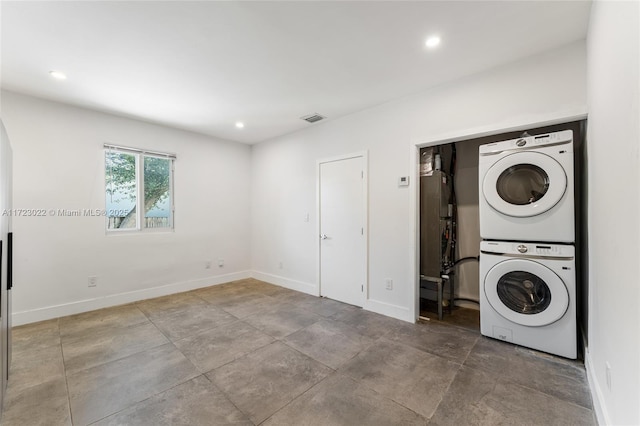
point(312, 118)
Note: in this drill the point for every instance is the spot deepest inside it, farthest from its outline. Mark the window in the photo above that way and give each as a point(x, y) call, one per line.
point(139, 189)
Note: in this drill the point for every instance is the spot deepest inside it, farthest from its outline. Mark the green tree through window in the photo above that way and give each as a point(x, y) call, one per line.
point(126, 175)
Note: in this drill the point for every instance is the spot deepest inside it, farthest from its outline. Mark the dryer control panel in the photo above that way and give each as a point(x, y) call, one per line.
point(529, 142)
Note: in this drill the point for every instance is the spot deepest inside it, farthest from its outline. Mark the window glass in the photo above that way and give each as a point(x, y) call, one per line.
point(157, 197)
point(121, 191)
point(138, 190)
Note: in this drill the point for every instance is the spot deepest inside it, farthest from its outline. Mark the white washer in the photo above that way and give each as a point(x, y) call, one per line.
point(528, 295)
point(526, 189)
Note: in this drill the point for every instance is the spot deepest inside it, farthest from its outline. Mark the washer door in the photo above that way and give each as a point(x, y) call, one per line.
point(526, 292)
point(524, 184)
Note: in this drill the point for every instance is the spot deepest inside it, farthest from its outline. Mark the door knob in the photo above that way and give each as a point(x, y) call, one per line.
point(323, 236)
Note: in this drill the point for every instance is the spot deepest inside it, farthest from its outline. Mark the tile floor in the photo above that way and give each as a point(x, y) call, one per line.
point(248, 353)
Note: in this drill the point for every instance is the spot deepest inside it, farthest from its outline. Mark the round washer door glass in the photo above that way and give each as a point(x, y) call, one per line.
point(526, 292)
point(524, 184)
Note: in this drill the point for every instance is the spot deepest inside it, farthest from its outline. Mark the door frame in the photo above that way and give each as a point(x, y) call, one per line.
point(459, 136)
point(365, 219)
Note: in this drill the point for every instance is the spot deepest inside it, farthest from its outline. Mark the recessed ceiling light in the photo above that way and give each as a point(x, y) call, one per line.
point(432, 42)
point(58, 75)
point(239, 124)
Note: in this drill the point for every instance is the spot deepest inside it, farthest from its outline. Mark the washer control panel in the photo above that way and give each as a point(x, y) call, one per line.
point(527, 249)
point(546, 250)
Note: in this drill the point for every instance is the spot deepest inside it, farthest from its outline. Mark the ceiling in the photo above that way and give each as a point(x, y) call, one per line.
point(203, 66)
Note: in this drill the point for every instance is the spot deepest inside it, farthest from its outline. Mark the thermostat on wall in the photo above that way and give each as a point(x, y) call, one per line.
point(403, 181)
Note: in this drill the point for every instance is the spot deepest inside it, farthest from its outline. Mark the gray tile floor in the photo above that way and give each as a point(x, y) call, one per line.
point(252, 353)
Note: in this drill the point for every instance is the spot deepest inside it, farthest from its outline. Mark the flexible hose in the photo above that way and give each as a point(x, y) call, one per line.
point(465, 259)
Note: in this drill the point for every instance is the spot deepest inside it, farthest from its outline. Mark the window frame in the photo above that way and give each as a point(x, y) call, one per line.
point(139, 155)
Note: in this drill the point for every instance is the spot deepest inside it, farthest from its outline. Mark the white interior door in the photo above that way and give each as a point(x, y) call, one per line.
point(343, 254)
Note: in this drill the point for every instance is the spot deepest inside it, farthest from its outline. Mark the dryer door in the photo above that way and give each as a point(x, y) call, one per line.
point(526, 292)
point(524, 184)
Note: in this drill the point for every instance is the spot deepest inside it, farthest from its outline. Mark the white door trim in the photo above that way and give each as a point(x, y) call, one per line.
point(365, 219)
point(464, 134)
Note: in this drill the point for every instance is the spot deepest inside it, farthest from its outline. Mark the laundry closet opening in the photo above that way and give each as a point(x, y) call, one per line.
point(449, 226)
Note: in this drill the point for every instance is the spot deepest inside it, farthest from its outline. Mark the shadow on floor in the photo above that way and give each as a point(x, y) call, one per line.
point(461, 317)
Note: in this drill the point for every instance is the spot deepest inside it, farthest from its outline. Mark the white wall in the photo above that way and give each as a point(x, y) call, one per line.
point(59, 164)
point(466, 179)
point(284, 170)
point(613, 145)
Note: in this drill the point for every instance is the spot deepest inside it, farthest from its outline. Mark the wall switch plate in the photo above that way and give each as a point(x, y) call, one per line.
point(389, 284)
point(403, 181)
point(280, 265)
point(93, 281)
point(220, 262)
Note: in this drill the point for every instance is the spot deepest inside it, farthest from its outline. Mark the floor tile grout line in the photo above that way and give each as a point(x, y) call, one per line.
point(120, 357)
point(470, 350)
point(145, 399)
point(502, 376)
point(149, 397)
point(448, 361)
point(206, 331)
point(180, 383)
point(446, 391)
point(64, 371)
point(341, 364)
point(307, 356)
point(168, 316)
point(226, 396)
point(563, 400)
point(340, 373)
point(239, 357)
point(299, 396)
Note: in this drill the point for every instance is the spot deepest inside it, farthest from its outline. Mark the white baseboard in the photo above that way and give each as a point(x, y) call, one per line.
point(49, 312)
point(301, 286)
point(394, 311)
point(599, 406)
point(383, 308)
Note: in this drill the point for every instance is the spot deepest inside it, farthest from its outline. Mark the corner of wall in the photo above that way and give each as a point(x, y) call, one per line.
point(308, 288)
point(599, 406)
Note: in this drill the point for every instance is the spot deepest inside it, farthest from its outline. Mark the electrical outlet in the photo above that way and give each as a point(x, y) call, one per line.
point(280, 265)
point(220, 262)
point(608, 373)
point(93, 281)
point(389, 283)
point(207, 264)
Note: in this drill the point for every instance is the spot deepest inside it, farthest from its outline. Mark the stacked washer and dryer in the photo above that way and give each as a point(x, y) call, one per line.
point(527, 261)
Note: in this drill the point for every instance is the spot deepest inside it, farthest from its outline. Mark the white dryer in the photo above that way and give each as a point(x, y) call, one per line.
point(528, 295)
point(526, 189)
